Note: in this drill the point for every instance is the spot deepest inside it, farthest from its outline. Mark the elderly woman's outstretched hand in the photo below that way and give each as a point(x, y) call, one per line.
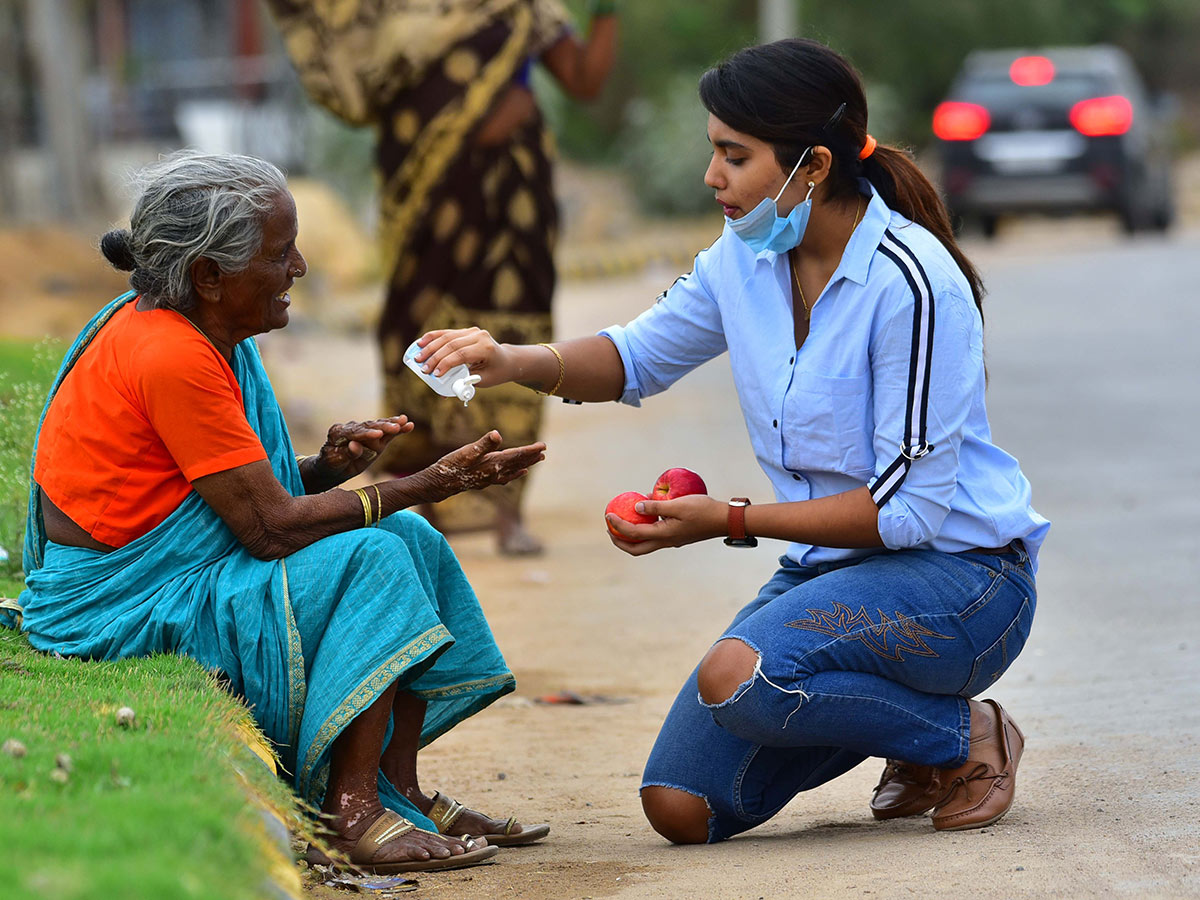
point(352, 446)
point(482, 464)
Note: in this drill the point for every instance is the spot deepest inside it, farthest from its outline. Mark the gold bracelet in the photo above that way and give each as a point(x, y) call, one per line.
point(562, 369)
point(378, 504)
point(366, 502)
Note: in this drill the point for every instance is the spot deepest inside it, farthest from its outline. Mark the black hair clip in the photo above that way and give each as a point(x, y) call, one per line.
point(834, 120)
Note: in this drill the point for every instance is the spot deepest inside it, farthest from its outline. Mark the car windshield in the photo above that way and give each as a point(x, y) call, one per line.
point(999, 91)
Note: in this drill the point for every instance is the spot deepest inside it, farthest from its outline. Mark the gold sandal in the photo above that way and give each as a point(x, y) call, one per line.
point(387, 828)
point(446, 811)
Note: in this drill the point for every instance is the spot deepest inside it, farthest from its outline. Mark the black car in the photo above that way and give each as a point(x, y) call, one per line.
point(1058, 130)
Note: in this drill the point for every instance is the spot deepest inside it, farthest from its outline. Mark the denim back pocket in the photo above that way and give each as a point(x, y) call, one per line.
point(992, 662)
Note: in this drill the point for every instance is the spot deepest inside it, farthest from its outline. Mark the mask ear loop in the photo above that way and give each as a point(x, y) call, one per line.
point(833, 122)
point(795, 168)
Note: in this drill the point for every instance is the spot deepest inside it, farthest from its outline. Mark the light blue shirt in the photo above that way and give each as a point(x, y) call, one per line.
point(887, 391)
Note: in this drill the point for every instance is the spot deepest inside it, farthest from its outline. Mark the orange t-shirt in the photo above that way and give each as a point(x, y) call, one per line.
point(149, 407)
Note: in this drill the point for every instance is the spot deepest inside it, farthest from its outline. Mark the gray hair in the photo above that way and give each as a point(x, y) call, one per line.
point(192, 205)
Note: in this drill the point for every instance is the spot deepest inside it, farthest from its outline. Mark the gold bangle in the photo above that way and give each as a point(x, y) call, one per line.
point(378, 504)
point(366, 502)
point(562, 369)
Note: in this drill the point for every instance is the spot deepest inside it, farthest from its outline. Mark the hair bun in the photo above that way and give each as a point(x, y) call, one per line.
point(117, 247)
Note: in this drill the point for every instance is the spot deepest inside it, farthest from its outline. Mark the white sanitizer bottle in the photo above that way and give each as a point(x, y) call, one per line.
point(458, 382)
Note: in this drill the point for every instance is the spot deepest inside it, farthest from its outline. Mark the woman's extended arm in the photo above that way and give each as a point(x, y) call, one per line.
point(582, 68)
point(591, 369)
point(849, 519)
point(349, 449)
point(271, 523)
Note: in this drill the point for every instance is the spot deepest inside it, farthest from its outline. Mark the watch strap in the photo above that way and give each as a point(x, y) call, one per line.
point(737, 518)
point(737, 524)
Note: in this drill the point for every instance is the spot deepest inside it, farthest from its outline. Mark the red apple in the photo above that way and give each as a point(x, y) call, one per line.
point(623, 505)
point(677, 483)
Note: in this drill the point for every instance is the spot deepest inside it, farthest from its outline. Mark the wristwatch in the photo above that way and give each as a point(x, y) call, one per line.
point(737, 524)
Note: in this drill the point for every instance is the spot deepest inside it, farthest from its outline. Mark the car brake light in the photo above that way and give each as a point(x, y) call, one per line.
point(1031, 71)
point(1102, 116)
point(957, 121)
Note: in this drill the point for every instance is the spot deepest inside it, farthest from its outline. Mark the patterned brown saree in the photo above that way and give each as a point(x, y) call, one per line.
point(467, 231)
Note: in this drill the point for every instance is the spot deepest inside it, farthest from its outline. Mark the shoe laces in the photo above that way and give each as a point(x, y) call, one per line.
point(891, 771)
point(981, 772)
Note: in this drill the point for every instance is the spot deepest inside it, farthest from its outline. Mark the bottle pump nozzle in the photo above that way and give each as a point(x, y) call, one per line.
point(464, 388)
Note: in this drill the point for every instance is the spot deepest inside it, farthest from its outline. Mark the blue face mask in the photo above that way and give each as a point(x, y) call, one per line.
point(763, 229)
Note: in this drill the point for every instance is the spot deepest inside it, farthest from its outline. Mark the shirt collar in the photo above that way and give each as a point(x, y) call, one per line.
point(860, 249)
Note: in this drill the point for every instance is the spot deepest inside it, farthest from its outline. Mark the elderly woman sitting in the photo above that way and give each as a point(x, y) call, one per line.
point(170, 514)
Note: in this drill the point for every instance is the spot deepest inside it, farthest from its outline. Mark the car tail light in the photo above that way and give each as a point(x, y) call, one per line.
point(956, 121)
point(1102, 116)
point(1031, 71)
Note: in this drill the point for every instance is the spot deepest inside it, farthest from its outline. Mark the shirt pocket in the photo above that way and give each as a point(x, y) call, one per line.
point(827, 424)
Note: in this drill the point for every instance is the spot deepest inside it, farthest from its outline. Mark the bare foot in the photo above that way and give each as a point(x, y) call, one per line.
point(414, 845)
point(511, 537)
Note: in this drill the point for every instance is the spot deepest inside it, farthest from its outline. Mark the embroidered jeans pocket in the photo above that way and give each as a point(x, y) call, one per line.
point(993, 661)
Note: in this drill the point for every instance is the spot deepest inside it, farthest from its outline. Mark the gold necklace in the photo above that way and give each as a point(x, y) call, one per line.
point(796, 278)
point(197, 327)
point(792, 259)
point(857, 212)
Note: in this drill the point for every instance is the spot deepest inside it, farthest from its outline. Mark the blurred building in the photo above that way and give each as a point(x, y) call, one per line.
point(86, 83)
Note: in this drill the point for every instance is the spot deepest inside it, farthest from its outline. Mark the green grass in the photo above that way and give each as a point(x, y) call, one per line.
point(160, 809)
point(155, 810)
point(26, 372)
point(22, 360)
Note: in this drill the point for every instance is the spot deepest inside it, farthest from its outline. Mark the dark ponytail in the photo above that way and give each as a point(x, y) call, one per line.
point(788, 93)
point(905, 189)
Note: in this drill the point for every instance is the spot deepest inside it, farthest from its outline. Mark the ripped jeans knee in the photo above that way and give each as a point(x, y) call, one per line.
point(760, 710)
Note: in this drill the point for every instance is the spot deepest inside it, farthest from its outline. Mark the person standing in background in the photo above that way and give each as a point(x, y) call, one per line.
point(468, 217)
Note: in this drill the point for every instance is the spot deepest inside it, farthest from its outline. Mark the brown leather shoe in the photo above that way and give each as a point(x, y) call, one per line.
point(981, 790)
point(906, 789)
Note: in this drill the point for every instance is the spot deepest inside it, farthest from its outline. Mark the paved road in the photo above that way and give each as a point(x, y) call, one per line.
point(1092, 353)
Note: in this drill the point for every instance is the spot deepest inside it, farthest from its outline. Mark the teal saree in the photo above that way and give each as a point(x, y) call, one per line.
point(309, 641)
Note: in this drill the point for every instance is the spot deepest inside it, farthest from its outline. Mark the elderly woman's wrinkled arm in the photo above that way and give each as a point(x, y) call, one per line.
point(271, 523)
point(349, 449)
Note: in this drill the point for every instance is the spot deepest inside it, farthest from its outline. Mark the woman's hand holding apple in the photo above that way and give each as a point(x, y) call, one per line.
point(684, 520)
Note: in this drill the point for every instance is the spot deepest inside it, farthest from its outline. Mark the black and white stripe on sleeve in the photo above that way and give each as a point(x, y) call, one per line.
point(914, 444)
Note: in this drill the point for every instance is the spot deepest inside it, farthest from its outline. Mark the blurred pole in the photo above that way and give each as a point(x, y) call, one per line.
point(56, 38)
point(10, 105)
point(778, 19)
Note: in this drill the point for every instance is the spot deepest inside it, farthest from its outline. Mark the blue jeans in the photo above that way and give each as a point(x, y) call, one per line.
point(873, 657)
